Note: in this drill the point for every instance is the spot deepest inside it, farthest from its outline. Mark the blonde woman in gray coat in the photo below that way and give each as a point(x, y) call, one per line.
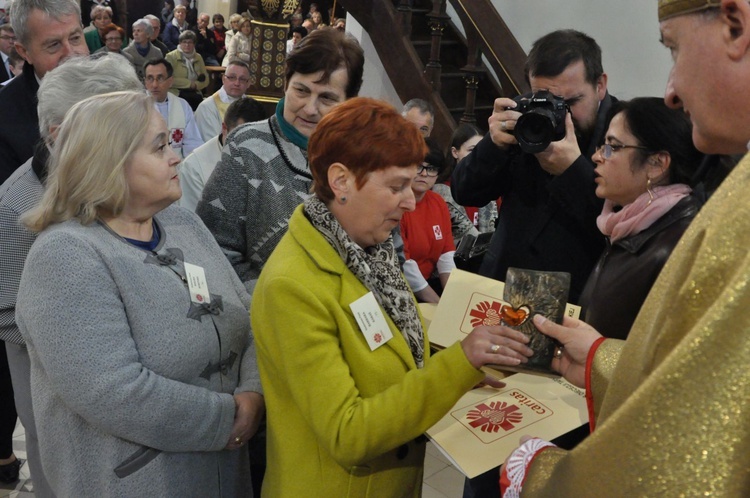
point(144, 381)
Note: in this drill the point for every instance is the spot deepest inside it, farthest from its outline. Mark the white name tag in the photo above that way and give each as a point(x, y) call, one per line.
point(371, 321)
point(196, 280)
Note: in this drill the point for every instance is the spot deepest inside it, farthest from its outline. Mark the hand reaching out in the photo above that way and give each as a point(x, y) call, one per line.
point(496, 345)
point(577, 337)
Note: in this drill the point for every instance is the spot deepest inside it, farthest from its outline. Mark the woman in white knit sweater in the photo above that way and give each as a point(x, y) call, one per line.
point(239, 45)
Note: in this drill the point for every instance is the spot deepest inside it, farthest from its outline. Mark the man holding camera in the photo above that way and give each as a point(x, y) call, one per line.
point(548, 216)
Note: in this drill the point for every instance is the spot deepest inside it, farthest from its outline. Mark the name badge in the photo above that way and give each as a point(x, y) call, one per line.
point(371, 321)
point(196, 280)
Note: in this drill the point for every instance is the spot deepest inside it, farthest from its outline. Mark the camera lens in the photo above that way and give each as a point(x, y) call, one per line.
point(535, 130)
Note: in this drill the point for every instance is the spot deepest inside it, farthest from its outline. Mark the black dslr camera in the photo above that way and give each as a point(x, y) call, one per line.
point(543, 120)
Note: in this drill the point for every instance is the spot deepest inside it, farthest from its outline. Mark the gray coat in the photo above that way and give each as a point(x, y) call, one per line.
point(138, 60)
point(131, 382)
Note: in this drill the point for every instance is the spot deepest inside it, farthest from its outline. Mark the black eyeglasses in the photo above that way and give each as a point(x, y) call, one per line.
point(429, 169)
point(606, 150)
point(237, 78)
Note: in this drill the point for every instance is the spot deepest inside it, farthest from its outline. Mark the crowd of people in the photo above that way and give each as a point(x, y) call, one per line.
point(199, 299)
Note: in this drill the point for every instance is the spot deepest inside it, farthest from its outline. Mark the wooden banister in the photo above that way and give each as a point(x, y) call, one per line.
point(501, 49)
point(400, 60)
point(389, 24)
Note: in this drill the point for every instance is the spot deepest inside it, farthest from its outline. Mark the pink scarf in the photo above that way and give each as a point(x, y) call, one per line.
point(639, 214)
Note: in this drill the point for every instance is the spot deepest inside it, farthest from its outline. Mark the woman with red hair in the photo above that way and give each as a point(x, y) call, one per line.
point(349, 383)
point(114, 36)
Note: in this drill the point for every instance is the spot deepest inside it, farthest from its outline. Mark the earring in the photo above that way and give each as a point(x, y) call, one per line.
point(342, 200)
point(650, 192)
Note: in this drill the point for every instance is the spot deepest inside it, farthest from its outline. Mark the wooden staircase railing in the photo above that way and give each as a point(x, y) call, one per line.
point(389, 25)
point(488, 33)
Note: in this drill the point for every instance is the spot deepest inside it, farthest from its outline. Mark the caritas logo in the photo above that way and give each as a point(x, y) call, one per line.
point(486, 313)
point(493, 416)
point(177, 136)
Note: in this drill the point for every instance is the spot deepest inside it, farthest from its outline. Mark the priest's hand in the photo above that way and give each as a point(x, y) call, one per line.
point(576, 338)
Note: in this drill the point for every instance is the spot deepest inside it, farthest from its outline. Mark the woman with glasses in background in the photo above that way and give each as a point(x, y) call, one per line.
point(427, 232)
point(642, 172)
point(190, 75)
point(113, 37)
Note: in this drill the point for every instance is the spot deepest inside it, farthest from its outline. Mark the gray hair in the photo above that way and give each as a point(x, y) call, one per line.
point(77, 79)
point(187, 35)
point(423, 106)
point(146, 25)
point(20, 10)
point(151, 17)
point(98, 9)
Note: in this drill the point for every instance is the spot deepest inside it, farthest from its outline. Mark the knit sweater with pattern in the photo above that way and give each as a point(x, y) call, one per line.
point(252, 193)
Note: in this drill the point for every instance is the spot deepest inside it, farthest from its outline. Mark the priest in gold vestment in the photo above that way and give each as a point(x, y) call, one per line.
point(670, 407)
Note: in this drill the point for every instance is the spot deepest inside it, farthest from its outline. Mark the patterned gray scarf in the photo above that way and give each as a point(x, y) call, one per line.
point(377, 268)
point(189, 60)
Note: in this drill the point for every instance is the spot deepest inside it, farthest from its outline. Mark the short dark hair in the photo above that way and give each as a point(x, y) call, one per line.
point(156, 62)
point(246, 109)
point(301, 30)
point(328, 50)
point(366, 135)
point(217, 17)
point(553, 53)
point(661, 129)
point(435, 156)
point(238, 62)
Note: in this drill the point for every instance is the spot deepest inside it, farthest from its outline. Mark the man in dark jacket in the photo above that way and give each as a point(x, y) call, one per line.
point(547, 220)
point(206, 43)
point(44, 39)
point(155, 40)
